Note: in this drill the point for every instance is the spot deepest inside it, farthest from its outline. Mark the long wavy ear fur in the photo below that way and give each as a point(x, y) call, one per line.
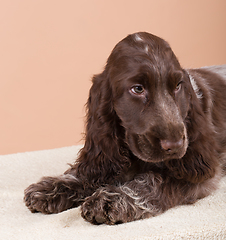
point(104, 154)
point(200, 161)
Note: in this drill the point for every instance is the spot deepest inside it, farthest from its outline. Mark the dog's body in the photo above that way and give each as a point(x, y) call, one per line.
point(155, 138)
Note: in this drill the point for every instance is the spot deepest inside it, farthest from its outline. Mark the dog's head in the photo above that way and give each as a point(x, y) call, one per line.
point(150, 96)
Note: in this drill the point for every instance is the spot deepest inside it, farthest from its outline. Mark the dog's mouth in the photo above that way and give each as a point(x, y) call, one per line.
point(155, 150)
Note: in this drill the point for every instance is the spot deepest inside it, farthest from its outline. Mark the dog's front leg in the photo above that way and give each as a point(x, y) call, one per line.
point(55, 194)
point(146, 196)
point(134, 200)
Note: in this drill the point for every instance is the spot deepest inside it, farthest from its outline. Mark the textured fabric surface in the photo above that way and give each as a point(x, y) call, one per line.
point(204, 220)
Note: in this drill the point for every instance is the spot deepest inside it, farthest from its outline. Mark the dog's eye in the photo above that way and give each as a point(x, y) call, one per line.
point(178, 87)
point(138, 89)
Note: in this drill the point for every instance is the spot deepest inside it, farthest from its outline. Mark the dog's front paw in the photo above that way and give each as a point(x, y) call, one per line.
point(38, 197)
point(35, 200)
point(108, 206)
point(52, 195)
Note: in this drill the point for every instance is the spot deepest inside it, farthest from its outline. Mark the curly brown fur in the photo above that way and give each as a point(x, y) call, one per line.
point(155, 138)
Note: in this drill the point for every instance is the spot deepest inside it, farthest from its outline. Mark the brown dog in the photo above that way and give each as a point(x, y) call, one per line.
point(155, 138)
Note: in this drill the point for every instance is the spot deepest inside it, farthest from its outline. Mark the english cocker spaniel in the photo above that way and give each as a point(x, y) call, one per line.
point(155, 138)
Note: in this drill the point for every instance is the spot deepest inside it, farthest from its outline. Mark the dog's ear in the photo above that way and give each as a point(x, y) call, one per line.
point(104, 154)
point(101, 116)
point(200, 161)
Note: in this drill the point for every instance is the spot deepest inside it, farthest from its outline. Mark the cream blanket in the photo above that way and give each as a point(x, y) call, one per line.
point(204, 220)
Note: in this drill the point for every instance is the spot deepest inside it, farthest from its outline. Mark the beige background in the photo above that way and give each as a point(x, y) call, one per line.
point(49, 50)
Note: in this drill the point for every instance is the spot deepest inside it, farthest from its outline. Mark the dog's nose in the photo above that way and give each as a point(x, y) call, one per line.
point(171, 146)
